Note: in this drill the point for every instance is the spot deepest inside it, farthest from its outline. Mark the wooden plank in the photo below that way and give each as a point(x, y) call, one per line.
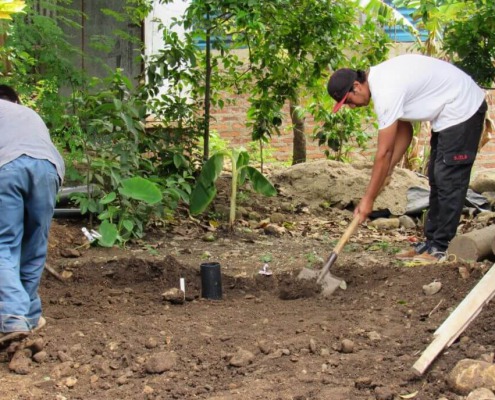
point(458, 320)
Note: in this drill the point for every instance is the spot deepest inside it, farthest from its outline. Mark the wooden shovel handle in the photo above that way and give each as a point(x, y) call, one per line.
point(347, 234)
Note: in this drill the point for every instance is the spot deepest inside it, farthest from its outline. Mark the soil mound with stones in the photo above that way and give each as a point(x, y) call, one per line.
point(335, 184)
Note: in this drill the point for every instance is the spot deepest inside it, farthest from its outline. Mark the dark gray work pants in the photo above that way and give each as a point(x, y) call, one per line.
point(453, 152)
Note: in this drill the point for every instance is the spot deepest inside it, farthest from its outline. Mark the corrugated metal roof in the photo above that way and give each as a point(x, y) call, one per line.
point(398, 33)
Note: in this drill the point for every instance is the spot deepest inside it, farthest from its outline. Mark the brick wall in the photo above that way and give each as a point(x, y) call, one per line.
point(230, 124)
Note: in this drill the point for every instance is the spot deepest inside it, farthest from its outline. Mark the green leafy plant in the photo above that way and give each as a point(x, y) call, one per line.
point(98, 123)
point(341, 131)
point(205, 190)
point(133, 177)
point(126, 209)
point(290, 46)
point(471, 43)
point(382, 246)
point(216, 143)
point(266, 258)
point(312, 259)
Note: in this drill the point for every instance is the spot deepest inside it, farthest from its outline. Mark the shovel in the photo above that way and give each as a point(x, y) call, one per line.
point(329, 283)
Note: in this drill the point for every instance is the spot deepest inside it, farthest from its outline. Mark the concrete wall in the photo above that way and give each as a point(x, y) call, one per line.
point(123, 53)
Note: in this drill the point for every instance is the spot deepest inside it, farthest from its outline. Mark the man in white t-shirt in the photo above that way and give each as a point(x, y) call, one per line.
point(418, 88)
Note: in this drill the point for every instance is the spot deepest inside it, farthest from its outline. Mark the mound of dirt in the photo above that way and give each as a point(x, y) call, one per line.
point(342, 185)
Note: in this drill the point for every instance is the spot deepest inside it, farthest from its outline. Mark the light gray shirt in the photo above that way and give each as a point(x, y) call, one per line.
point(23, 132)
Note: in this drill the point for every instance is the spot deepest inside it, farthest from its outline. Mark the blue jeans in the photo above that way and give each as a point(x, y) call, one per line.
point(28, 190)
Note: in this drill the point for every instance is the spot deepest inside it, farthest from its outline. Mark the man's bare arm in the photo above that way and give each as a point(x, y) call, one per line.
point(381, 167)
point(402, 141)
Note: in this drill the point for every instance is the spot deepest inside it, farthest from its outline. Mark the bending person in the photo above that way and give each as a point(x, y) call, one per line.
point(418, 88)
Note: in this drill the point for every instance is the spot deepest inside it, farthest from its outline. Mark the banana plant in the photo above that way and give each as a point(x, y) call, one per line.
point(386, 13)
point(205, 190)
point(433, 16)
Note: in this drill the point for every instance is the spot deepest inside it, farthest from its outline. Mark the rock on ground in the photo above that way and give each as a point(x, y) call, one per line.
point(469, 375)
point(161, 362)
point(241, 358)
point(481, 394)
point(484, 181)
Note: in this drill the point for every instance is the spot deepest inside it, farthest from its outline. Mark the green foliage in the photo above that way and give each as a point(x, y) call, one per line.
point(205, 190)
point(126, 209)
point(177, 109)
point(290, 51)
point(266, 258)
point(125, 164)
point(387, 15)
point(109, 234)
point(290, 45)
point(216, 143)
point(471, 42)
point(434, 16)
point(37, 59)
point(99, 124)
point(260, 151)
point(384, 247)
point(341, 131)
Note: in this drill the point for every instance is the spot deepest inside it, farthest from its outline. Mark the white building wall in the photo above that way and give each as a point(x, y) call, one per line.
point(162, 13)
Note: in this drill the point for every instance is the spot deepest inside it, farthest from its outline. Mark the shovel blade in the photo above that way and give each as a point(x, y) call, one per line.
point(329, 283)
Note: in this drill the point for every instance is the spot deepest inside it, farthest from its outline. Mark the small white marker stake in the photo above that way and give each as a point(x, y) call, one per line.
point(182, 285)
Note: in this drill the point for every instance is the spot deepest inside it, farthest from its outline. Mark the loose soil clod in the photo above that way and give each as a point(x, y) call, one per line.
point(291, 288)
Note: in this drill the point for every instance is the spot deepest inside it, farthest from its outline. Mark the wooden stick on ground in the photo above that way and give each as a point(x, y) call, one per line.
point(458, 320)
point(435, 308)
point(52, 271)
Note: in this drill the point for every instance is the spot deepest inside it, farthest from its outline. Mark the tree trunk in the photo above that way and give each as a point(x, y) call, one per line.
point(299, 140)
point(206, 132)
point(475, 245)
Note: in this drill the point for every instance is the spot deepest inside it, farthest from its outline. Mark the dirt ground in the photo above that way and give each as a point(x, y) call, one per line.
point(111, 335)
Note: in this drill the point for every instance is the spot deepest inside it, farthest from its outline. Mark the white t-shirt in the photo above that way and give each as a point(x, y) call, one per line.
point(418, 88)
point(22, 131)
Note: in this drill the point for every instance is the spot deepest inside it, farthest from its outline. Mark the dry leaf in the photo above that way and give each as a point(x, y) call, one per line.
point(409, 396)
